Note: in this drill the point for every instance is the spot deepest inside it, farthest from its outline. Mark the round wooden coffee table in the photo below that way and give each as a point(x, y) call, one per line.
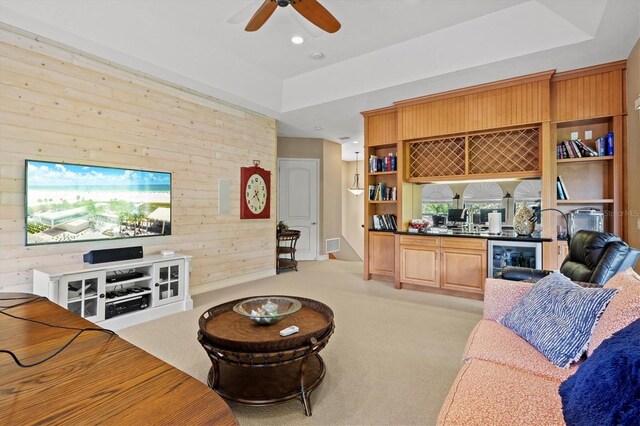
point(253, 365)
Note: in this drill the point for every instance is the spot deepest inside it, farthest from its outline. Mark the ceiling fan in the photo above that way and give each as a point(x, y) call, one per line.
point(313, 11)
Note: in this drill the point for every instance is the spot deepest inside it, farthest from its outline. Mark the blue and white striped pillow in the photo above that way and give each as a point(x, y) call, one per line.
point(557, 317)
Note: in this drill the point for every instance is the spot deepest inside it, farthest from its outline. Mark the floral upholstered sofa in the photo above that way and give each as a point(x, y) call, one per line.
point(504, 380)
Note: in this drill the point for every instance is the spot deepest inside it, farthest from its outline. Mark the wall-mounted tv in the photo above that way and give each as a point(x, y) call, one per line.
point(74, 202)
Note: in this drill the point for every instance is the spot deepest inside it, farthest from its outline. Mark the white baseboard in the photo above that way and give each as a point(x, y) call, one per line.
point(323, 257)
point(231, 281)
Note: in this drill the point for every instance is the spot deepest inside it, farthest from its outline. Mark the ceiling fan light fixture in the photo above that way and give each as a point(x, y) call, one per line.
point(297, 39)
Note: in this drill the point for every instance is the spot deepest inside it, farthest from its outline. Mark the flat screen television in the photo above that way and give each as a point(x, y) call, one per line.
point(75, 202)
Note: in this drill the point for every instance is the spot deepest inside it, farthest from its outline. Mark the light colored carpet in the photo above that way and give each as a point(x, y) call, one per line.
point(391, 360)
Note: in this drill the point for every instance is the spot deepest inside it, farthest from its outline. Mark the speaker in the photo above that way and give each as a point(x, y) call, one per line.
point(113, 255)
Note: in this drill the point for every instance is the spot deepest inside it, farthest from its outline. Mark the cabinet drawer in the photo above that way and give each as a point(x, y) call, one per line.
point(415, 240)
point(465, 243)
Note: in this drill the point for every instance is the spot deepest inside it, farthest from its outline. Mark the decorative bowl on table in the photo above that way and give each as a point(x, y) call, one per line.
point(267, 310)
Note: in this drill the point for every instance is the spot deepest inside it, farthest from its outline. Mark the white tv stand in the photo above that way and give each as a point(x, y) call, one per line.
point(93, 290)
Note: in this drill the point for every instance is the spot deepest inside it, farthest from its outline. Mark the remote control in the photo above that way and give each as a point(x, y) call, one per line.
point(289, 331)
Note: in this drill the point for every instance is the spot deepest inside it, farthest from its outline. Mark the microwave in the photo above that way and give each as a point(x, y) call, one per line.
point(589, 219)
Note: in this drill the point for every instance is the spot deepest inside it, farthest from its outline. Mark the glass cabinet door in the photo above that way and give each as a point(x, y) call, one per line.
point(83, 294)
point(169, 278)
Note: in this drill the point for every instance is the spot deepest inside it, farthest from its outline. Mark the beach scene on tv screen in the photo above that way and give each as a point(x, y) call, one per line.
point(68, 202)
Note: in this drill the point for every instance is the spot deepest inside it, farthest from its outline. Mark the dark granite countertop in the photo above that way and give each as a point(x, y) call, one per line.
point(506, 235)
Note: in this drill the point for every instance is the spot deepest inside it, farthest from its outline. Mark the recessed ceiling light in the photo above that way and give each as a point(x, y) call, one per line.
point(297, 40)
point(318, 128)
point(317, 55)
point(355, 142)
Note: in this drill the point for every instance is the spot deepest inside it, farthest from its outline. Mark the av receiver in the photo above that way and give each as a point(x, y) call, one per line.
point(124, 306)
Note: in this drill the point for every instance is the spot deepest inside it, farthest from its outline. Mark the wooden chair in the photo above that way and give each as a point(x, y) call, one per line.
point(286, 250)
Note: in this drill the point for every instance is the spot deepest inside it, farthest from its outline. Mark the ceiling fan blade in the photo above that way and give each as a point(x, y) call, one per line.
point(317, 14)
point(261, 15)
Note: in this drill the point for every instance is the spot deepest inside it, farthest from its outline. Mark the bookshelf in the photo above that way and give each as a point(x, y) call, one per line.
point(381, 142)
point(592, 182)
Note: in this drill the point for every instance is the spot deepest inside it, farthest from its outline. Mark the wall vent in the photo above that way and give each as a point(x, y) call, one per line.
point(332, 245)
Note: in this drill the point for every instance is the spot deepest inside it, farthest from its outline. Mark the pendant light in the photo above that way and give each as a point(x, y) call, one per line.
point(355, 188)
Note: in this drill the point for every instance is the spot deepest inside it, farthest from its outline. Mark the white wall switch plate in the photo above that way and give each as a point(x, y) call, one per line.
point(588, 135)
point(574, 135)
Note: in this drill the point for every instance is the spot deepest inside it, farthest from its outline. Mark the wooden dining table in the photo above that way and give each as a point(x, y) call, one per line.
point(99, 378)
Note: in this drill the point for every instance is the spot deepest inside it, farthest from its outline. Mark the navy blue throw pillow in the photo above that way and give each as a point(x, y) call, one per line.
point(606, 388)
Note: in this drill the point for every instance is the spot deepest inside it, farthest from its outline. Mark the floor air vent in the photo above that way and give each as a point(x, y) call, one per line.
point(333, 245)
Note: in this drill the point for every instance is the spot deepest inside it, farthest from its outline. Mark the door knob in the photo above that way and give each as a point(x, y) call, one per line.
point(313, 223)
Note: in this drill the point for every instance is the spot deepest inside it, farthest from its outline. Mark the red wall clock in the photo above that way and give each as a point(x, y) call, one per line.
point(255, 192)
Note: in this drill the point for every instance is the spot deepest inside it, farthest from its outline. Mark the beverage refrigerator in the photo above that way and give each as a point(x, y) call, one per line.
point(503, 253)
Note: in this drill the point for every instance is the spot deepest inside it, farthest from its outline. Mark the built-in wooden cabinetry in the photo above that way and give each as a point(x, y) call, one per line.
point(504, 129)
point(447, 263)
point(380, 245)
point(380, 141)
point(590, 99)
point(419, 260)
point(464, 264)
point(504, 104)
point(513, 153)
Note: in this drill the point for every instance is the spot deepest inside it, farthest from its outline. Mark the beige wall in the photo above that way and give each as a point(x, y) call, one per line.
point(353, 207)
point(59, 105)
point(632, 155)
point(330, 203)
point(332, 183)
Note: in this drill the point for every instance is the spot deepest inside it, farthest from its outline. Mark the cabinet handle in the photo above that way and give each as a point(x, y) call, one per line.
point(157, 285)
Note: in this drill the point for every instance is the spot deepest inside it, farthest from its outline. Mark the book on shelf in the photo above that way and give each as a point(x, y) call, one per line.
point(382, 192)
point(585, 149)
point(560, 195)
point(575, 149)
point(562, 189)
point(382, 164)
point(384, 222)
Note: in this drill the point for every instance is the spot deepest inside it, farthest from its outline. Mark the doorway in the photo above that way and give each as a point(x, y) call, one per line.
point(298, 182)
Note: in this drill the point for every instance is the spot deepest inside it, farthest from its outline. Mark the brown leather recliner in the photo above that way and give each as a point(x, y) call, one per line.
point(594, 257)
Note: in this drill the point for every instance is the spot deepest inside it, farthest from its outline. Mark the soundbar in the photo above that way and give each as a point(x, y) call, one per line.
point(113, 255)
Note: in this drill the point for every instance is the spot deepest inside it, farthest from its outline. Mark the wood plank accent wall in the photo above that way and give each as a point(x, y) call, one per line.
point(588, 93)
point(59, 105)
point(508, 103)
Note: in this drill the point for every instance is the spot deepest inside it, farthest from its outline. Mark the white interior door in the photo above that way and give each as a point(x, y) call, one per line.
point(298, 182)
